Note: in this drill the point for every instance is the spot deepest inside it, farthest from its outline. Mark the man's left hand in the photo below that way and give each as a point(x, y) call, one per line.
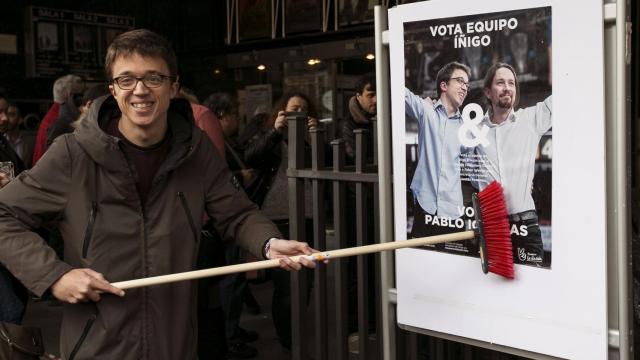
point(283, 249)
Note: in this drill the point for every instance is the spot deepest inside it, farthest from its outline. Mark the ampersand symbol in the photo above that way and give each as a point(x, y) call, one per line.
point(471, 125)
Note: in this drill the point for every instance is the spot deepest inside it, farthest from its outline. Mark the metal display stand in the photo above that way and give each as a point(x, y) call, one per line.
point(617, 58)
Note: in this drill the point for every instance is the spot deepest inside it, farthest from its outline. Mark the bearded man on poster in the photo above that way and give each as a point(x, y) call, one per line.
point(436, 185)
point(510, 156)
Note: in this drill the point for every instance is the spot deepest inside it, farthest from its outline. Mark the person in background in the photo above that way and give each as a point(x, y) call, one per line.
point(212, 340)
point(233, 287)
point(67, 124)
point(205, 120)
point(22, 141)
point(13, 295)
point(266, 151)
point(69, 112)
point(68, 86)
point(362, 111)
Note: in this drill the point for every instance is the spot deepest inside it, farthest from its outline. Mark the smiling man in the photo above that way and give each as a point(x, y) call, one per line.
point(510, 156)
point(130, 185)
point(436, 186)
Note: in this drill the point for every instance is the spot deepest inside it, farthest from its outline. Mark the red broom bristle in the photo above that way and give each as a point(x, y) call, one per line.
point(497, 237)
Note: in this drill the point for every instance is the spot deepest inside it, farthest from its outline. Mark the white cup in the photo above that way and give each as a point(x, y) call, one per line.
point(6, 167)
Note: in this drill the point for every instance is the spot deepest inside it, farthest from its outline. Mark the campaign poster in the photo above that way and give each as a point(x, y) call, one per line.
point(510, 92)
point(458, 144)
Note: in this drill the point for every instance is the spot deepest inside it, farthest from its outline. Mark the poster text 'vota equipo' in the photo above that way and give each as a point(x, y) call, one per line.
point(463, 39)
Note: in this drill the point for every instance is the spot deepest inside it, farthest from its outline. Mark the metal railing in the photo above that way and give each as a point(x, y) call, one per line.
point(344, 197)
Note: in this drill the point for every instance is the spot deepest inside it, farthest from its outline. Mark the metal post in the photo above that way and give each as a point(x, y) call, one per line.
point(320, 242)
point(622, 196)
point(617, 156)
point(340, 267)
point(299, 343)
point(384, 174)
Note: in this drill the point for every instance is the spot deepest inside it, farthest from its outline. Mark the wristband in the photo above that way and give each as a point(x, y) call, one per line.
point(267, 249)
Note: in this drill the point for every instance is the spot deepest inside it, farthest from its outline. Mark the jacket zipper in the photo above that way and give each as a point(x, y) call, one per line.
point(89, 231)
point(185, 206)
point(83, 336)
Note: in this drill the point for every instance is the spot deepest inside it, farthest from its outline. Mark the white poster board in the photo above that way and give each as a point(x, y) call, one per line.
point(556, 306)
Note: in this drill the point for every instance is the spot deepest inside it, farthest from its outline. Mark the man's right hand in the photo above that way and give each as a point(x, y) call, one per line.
point(80, 285)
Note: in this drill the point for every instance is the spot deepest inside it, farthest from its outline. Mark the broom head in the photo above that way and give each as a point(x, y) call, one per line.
point(493, 231)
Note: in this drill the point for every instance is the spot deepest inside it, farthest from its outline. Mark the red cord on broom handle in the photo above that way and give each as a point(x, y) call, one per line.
point(274, 263)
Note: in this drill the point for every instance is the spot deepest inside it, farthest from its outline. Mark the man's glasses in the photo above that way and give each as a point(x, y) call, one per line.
point(128, 82)
point(461, 81)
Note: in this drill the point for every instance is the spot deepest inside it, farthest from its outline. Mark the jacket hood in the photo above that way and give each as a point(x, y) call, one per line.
point(104, 149)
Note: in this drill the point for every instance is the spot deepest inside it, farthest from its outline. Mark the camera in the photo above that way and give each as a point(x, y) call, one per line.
point(295, 115)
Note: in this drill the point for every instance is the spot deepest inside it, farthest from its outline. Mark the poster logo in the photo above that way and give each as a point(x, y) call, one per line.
point(522, 254)
point(472, 125)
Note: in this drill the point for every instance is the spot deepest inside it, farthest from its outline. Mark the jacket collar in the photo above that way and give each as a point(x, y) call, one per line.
point(104, 149)
point(440, 105)
point(487, 118)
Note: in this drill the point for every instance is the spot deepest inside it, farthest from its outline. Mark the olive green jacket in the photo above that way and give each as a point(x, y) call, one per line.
point(86, 178)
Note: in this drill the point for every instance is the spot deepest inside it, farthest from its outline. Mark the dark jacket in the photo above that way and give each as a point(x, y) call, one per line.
point(85, 176)
point(358, 119)
point(28, 140)
point(12, 294)
point(262, 152)
point(68, 114)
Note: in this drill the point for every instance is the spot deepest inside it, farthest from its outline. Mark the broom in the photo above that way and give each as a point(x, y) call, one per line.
point(492, 232)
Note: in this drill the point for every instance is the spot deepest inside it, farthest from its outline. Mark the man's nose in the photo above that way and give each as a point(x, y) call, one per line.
point(140, 88)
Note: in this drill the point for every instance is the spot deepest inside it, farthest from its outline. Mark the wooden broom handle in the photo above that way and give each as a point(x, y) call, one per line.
point(274, 263)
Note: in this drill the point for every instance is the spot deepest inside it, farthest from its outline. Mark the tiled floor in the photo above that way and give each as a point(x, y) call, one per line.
point(47, 316)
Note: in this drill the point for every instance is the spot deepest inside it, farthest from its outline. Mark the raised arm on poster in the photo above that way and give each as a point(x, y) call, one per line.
point(509, 157)
point(435, 186)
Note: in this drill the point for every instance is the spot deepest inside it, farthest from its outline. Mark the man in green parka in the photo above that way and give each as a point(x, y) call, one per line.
point(130, 186)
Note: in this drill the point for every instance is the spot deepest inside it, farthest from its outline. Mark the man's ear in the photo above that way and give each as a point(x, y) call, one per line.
point(443, 86)
point(112, 90)
point(175, 87)
point(487, 94)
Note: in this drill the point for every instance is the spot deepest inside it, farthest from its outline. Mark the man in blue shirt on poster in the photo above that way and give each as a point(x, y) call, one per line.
point(436, 187)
